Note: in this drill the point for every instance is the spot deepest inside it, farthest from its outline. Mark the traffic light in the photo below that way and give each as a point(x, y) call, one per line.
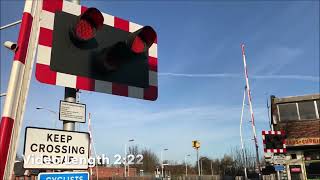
point(87, 25)
point(196, 144)
point(98, 52)
point(274, 141)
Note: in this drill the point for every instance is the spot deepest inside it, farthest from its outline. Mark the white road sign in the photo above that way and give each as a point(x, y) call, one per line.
point(279, 159)
point(72, 112)
point(55, 149)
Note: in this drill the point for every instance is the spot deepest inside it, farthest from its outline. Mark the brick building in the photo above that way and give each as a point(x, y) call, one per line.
point(299, 117)
point(107, 172)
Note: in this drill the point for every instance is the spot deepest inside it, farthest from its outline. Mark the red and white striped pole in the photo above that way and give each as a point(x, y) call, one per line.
point(13, 92)
point(90, 139)
point(92, 148)
point(251, 110)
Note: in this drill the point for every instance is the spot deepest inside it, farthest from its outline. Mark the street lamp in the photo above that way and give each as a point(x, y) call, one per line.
point(3, 94)
point(125, 157)
point(185, 161)
point(162, 161)
point(11, 24)
point(51, 111)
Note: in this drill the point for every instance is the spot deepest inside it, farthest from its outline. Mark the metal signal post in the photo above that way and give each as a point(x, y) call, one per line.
point(196, 146)
point(70, 95)
point(199, 173)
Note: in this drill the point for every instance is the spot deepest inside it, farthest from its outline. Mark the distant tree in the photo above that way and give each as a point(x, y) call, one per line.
point(205, 162)
point(134, 150)
point(175, 169)
point(216, 166)
point(242, 159)
point(149, 162)
point(227, 164)
point(230, 164)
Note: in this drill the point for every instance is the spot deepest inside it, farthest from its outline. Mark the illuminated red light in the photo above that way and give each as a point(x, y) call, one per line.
point(143, 39)
point(90, 21)
point(84, 30)
point(138, 45)
point(94, 16)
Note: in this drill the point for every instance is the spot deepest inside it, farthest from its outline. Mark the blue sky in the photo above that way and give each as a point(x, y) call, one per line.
point(201, 77)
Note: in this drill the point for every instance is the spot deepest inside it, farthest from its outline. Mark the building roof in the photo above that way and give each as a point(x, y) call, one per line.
point(296, 98)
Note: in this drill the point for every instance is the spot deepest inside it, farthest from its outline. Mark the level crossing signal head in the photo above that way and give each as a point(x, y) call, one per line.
point(133, 48)
point(274, 141)
point(196, 144)
point(97, 52)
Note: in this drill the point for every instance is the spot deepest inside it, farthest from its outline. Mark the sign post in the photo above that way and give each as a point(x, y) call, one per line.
point(278, 168)
point(196, 146)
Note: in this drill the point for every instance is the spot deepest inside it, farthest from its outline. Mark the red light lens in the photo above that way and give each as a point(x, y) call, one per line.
point(138, 45)
point(94, 16)
point(90, 21)
point(141, 40)
point(148, 35)
point(84, 30)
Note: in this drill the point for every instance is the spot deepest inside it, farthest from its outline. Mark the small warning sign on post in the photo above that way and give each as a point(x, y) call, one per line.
point(75, 112)
point(279, 159)
point(55, 149)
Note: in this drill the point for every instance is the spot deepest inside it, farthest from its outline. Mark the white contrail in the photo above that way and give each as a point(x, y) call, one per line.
point(297, 77)
point(227, 75)
point(198, 75)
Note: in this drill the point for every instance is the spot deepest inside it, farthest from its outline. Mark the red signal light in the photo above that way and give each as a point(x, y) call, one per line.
point(90, 21)
point(138, 45)
point(141, 40)
point(123, 52)
point(84, 30)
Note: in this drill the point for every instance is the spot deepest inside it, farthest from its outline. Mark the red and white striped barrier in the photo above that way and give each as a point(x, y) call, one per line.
point(9, 126)
point(249, 94)
point(250, 106)
point(280, 133)
point(46, 75)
